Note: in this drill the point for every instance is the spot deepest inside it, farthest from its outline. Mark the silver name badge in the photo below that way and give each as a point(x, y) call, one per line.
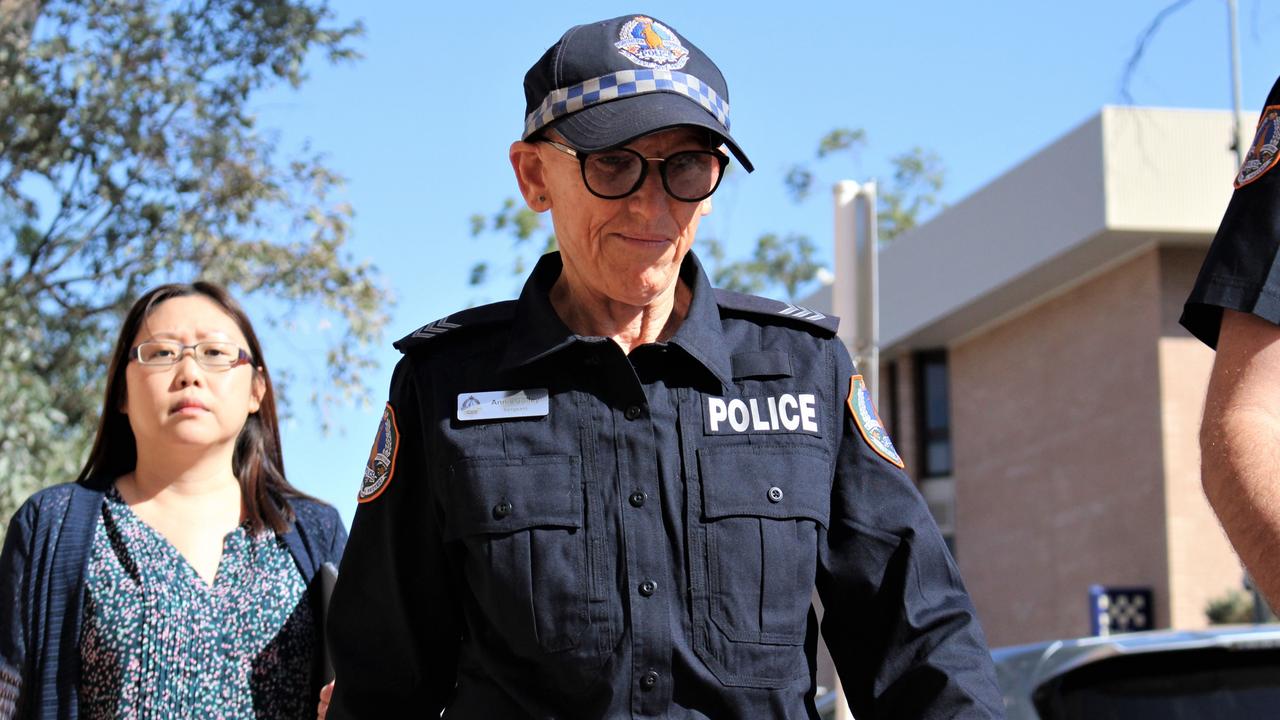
point(501, 404)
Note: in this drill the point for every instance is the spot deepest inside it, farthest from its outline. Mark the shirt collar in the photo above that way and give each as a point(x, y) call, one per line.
point(538, 332)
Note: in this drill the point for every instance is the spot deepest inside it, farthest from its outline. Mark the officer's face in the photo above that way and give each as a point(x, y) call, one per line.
point(627, 250)
point(186, 407)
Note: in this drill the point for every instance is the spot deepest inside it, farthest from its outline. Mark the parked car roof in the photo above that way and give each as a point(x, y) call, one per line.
point(1023, 669)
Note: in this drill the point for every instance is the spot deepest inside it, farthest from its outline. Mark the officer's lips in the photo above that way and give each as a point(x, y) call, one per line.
point(645, 239)
point(188, 406)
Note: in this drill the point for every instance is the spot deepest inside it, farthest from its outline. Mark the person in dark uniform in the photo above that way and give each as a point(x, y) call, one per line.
point(614, 496)
point(1235, 308)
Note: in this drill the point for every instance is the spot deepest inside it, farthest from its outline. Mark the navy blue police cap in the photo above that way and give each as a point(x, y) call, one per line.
point(607, 83)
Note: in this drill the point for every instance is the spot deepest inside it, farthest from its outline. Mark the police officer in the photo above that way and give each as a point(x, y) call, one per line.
point(1235, 308)
point(614, 496)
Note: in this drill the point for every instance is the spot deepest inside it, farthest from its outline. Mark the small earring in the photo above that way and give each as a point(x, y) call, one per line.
point(542, 198)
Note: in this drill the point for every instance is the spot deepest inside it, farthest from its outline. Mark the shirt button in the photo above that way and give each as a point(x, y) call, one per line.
point(637, 499)
point(649, 680)
point(633, 412)
point(501, 510)
point(648, 587)
point(775, 494)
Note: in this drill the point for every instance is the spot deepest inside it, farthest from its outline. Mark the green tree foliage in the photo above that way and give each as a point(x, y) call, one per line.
point(779, 263)
point(526, 230)
point(1235, 607)
point(1232, 608)
point(130, 156)
point(909, 194)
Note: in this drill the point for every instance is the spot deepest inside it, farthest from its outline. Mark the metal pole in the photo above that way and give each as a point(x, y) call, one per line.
point(844, 303)
point(855, 299)
point(867, 340)
point(844, 291)
point(1238, 140)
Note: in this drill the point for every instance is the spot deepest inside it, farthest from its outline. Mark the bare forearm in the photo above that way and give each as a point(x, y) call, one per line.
point(1240, 443)
point(1240, 451)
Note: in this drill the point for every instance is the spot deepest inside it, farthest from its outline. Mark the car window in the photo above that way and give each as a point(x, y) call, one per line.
point(1204, 684)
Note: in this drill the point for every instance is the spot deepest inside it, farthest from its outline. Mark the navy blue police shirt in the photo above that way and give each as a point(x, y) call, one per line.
point(550, 528)
point(1242, 270)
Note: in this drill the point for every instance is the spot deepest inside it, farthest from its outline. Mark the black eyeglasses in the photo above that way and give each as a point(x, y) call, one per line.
point(210, 354)
point(688, 176)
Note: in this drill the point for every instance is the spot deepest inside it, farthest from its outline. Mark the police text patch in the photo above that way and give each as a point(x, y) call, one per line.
point(785, 413)
point(382, 458)
point(868, 420)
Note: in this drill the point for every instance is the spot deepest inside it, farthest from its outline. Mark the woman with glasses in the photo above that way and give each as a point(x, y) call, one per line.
point(173, 578)
point(615, 496)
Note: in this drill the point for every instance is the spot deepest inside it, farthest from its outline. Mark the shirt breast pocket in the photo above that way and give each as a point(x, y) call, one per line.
point(526, 552)
point(762, 508)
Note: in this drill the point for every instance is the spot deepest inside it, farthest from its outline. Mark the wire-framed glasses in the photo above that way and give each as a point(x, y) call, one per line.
point(688, 176)
point(215, 355)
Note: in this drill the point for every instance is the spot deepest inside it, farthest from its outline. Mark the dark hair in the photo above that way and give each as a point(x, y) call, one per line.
point(257, 462)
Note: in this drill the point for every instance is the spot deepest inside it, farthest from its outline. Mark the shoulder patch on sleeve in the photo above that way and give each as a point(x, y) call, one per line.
point(481, 315)
point(382, 458)
point(756, 305)
point(868, 421)
point(1263, 151)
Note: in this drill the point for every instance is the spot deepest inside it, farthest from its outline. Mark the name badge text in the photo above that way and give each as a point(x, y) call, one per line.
point(501, 404)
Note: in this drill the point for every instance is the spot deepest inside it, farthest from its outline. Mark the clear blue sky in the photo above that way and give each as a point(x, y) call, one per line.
point(420, 127)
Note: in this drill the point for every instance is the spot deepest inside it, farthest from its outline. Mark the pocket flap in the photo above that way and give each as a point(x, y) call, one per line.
point(502, 495)
point(765, 481)
point(761, 363)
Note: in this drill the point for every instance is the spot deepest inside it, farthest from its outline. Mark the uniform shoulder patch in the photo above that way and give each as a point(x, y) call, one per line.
point(1263, 151)
point(756, 305)
point(382, 458)
point(868, 421)
point(480, 315)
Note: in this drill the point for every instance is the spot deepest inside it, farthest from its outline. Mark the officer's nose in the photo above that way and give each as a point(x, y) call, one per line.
point(650, 198)
point(187, 371)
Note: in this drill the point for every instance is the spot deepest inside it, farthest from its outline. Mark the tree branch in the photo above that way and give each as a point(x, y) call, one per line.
point(1141, 49)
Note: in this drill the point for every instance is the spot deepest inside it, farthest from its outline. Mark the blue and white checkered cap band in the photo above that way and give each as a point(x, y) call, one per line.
point(626, 83)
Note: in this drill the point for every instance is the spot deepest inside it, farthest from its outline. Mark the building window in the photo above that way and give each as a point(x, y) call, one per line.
point(933, 433)
point(933, 414)
point(892, 404)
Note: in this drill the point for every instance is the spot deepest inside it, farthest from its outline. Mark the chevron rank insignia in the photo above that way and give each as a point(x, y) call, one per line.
point(802, 313)
point(757, 305)
point(454, 322)
point(432, 329)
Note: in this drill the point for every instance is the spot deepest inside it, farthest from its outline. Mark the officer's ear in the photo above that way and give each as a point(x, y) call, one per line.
point(258, 391)
point(531, 175)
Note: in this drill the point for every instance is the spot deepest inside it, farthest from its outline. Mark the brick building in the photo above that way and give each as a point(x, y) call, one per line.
point(1035, 378)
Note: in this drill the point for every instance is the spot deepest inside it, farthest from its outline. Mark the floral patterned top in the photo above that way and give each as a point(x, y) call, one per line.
point(160, 642)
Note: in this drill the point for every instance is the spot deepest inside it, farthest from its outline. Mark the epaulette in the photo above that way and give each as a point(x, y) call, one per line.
point(471, 317)
point(756, 305)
